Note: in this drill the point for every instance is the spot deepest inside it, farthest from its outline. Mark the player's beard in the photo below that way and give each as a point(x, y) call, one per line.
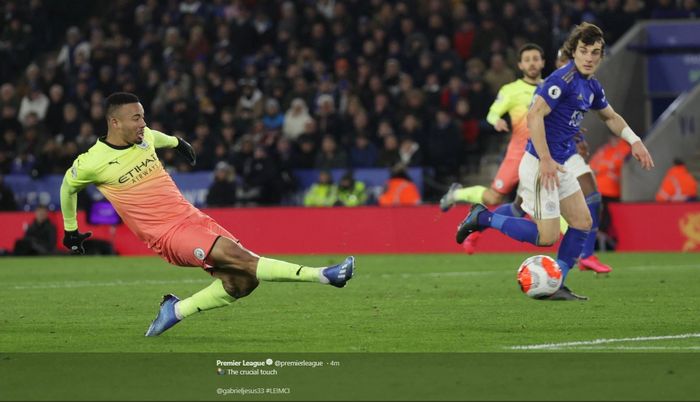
point(532, 77)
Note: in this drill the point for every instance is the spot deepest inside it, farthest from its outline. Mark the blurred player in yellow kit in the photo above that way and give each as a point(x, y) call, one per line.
point(514, 99)
point(125, 168)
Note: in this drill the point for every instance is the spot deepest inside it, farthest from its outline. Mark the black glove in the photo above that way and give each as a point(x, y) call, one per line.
point(185, 149)
point(73, 240)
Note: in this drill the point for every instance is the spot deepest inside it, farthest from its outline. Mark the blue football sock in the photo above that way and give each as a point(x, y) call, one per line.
point(519, 229)
point(593, 201)
point(570, 249)
point(509, 209)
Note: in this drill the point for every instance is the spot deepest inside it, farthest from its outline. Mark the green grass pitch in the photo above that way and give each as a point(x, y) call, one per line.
point(396, 303)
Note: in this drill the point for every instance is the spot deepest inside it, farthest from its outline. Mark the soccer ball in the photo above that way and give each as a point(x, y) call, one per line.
point(539, 276)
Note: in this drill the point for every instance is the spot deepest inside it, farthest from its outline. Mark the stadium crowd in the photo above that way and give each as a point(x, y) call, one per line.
point(272, 86)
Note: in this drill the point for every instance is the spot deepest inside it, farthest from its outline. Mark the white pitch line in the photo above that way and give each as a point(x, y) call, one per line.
point(86, 284)
point(639, 348)
point(562, 345)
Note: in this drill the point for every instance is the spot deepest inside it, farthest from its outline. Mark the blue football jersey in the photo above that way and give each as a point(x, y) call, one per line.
point(570, 95)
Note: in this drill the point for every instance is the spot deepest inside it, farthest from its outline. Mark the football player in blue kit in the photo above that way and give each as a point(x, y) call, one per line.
point(548, 187)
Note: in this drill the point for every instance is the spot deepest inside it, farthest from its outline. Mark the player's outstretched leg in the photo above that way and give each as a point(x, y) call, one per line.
point(480, 218)
point(281, 271)
point(229, 255)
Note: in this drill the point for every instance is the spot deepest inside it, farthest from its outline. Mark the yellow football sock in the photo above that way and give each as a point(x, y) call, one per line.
point(211, 297)
point(281, 271)
point(472, 195)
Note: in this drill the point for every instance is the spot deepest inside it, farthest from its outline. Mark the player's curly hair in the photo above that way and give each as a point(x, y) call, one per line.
point(587, 33)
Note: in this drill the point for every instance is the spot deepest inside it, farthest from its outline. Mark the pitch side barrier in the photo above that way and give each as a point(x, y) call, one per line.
point(388, 230)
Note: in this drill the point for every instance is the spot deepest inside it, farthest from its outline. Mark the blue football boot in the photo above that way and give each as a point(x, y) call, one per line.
point(470, 224)
point(166, 316)
point(338, 275)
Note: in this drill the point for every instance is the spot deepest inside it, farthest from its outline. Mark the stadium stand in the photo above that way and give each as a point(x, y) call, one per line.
point(268, 86)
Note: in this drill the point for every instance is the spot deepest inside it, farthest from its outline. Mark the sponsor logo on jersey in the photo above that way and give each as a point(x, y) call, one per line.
point(143, 144)
point(141, 170)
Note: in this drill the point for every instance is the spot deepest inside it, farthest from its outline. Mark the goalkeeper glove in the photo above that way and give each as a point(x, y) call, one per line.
point(185, 149)
point(73, 240)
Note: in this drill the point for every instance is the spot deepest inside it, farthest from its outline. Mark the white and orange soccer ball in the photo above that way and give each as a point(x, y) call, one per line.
point(539, 276)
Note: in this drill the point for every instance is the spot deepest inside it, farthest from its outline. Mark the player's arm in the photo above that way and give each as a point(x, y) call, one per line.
point(161, 140)
point(619, 127)
point(499, 107)
point(75, 179)
point(535, 124)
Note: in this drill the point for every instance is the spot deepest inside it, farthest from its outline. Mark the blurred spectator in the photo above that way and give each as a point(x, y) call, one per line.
point(498, 73)
point(444, 145)
point(363, 153)
point(250, 104)
point(399, 189)
point(468, 125)
point(34, 102)
point(322, 193)
point(260, 179)
point(666, 9)
point(350, 192)
point(71, 122)
point(39, 237)
point(678, 185)
point(7, 197)
point(296, 119)
point(74, 44)
point(410, 153)
point(328, 121)
point(306, 157)
point(222, 192)
point(54, 112)
point(607, 163)
point(273, 119)
point(330, 156)
point(389, 154)
point(8, 96)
